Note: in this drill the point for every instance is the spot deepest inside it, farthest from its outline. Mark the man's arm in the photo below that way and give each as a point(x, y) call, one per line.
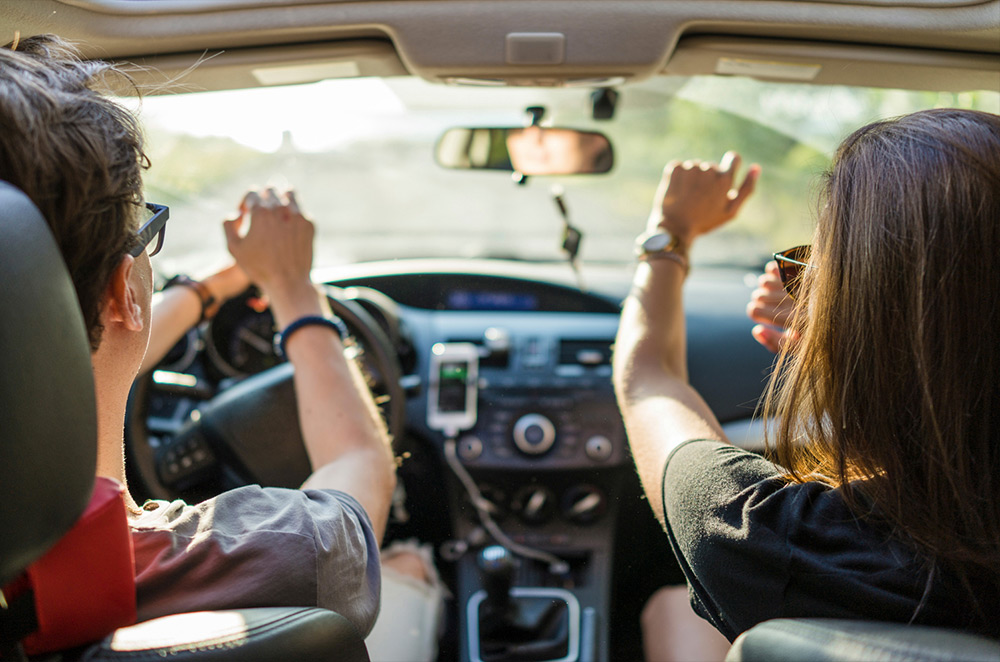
point(658, 405)
point(345, 437)
point(177, 309)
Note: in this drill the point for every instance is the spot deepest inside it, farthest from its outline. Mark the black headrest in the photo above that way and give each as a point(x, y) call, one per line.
point(48, 415)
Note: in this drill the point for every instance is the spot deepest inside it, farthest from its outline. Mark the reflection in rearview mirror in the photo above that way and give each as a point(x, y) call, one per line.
point(532, 150)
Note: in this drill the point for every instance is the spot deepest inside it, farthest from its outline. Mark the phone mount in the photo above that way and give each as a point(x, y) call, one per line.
point(454, 387)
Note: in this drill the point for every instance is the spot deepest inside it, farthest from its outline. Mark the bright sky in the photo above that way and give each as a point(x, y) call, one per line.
point(328, 113)
point(324, 115)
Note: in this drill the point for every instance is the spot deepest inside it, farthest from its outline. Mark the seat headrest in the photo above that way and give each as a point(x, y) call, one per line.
point(48, 414)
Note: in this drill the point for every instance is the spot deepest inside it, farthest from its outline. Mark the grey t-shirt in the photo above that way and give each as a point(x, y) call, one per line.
point(258, 547)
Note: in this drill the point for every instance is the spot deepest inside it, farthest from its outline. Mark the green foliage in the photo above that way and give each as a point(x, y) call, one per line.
point(186, 166)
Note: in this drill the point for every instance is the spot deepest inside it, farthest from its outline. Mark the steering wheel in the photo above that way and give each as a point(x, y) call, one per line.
point(250, 432)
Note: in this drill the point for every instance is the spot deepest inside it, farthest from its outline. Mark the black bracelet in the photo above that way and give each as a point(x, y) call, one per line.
point(204, 294)
point(333, 322)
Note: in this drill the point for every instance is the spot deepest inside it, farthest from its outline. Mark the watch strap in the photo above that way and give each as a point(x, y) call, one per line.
point(667, 255)
point(668, 251)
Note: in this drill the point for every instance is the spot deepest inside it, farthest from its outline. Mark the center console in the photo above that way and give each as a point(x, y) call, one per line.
point(528, 421)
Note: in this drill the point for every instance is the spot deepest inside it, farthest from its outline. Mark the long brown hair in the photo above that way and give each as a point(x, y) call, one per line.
point(893, 391)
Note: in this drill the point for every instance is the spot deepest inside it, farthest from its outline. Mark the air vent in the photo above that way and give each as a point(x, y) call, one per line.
point(585, 352)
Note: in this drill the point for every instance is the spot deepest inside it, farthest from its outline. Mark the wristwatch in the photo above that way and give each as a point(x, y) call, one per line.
point(659, 244)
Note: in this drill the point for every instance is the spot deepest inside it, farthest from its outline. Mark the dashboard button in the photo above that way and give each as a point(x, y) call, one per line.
point(599, 448)
point(470, 448)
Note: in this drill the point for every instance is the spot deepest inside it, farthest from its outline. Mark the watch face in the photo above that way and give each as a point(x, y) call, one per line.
point(656, 242)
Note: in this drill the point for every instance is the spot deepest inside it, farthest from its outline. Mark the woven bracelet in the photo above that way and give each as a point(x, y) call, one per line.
point(334, 323)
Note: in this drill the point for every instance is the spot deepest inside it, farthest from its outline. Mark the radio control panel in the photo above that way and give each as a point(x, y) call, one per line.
point(542, 399)
point(531, 429)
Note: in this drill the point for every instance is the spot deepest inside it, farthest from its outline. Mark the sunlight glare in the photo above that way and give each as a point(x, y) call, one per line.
point(319, 116)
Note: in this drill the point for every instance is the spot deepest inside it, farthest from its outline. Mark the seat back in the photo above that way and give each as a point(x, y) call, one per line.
point(48, 415)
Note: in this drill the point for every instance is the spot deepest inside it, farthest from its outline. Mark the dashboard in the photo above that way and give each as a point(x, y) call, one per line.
point(544, 346)
point(546, 449)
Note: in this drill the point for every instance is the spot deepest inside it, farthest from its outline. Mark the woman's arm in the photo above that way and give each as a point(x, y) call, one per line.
point(659, 407)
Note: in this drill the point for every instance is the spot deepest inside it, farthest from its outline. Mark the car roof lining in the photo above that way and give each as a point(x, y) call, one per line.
point(764, 59)
point(171, 6)
point(919, 44)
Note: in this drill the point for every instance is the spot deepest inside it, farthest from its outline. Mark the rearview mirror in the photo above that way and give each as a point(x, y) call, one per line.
point(531, 150)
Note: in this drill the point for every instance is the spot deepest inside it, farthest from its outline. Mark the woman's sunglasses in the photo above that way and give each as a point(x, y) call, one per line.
point(792, 263)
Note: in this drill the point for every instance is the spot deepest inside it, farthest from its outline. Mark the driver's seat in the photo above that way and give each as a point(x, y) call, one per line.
point(48, 450)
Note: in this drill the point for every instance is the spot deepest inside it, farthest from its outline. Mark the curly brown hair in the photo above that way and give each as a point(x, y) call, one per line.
point(78, 156)
point(892, 393)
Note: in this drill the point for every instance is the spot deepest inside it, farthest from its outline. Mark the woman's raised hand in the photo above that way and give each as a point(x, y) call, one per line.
point(695, 197)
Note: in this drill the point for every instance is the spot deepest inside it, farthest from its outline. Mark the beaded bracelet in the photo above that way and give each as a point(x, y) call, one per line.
point(333, 322)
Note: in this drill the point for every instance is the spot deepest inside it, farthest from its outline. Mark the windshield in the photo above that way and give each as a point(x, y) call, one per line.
point(360, 154)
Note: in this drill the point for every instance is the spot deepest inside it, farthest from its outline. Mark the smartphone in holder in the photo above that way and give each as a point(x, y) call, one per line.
point(454, 387)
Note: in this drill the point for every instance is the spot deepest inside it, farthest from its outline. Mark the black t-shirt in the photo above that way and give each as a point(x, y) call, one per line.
point(754, 547)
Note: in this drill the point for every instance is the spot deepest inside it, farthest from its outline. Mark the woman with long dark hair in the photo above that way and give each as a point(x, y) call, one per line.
point(883, 500)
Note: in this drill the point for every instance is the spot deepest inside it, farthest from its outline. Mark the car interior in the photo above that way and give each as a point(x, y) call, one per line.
point(478, 171)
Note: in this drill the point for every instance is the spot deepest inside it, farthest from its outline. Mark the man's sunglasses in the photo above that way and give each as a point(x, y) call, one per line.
point(792, 263)
point(152, 229)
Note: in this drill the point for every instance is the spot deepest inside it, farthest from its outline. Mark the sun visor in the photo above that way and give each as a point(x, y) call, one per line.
point(841, 64)
point(241, 68)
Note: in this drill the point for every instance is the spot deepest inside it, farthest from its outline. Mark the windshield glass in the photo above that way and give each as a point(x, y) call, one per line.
point(360, 154)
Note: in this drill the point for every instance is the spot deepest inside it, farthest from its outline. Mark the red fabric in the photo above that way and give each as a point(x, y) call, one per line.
point(85, 586)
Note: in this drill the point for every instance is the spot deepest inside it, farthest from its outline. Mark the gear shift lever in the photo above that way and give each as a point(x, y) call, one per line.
point(498, 564)
point(521, 628)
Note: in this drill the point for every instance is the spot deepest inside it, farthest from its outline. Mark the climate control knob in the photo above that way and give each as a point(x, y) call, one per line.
point(534, 434)
point(534, 504)
point(584, 504)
